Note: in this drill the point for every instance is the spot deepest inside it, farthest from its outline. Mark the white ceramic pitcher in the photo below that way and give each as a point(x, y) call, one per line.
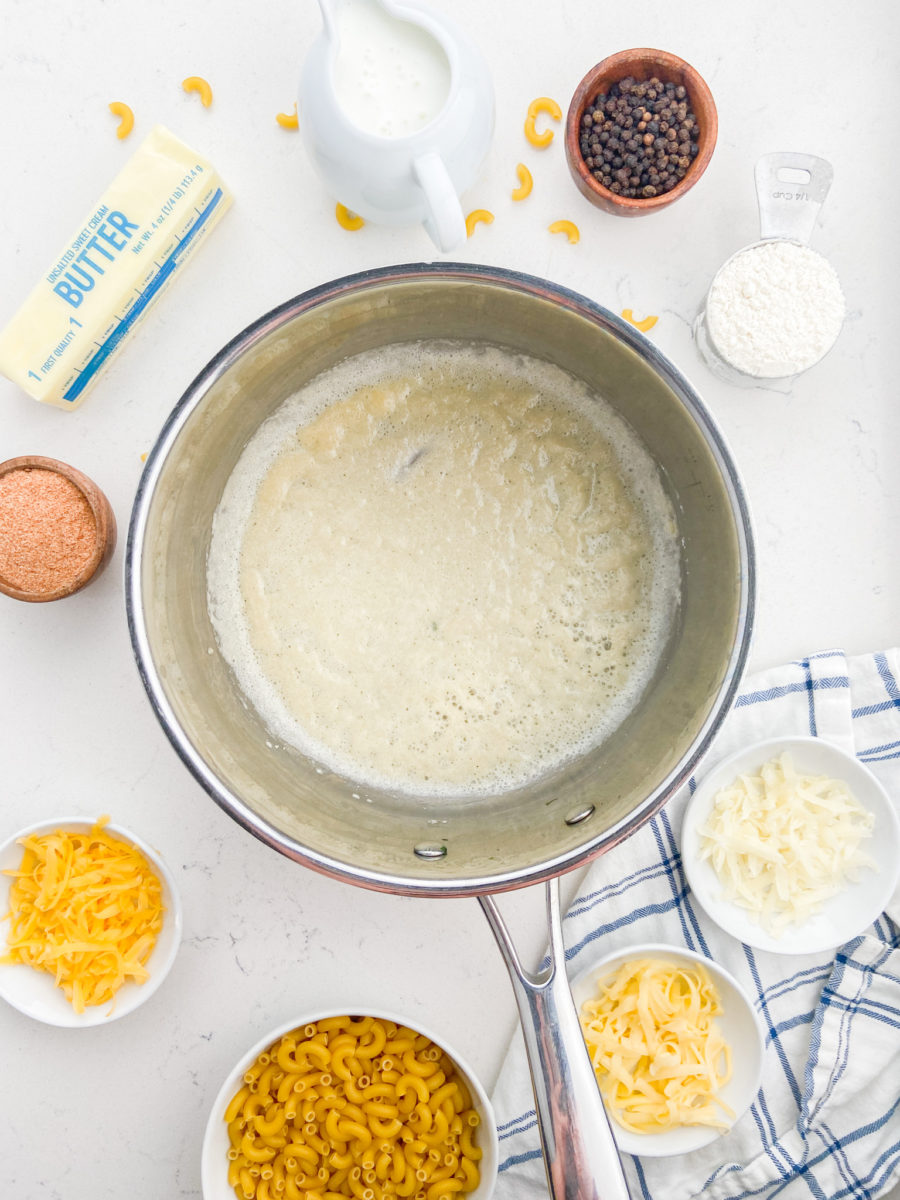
point(403, 180)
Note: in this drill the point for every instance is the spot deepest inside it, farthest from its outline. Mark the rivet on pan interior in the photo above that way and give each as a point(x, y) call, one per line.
point(430, 852)
point(580, 814)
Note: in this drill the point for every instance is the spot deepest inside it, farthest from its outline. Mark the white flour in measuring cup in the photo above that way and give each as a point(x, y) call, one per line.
point(774, 309)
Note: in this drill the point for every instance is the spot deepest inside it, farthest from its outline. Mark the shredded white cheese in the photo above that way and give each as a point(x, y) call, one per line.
point(782, 843)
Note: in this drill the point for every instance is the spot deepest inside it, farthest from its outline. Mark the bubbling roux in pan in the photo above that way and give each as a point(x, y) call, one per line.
point(443, 569)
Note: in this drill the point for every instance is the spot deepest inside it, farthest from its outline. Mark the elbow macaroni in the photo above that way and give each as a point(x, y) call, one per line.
point(196, 83)
point(569, 228)
point(352, 1107)
point(478, 216)
point(126, 118)
point(288, 120)
point(526, 183)
point(543, 104)
point(347, 219)
point(644, 326)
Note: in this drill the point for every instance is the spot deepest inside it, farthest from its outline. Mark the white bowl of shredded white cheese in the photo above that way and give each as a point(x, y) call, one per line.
point(792, 846)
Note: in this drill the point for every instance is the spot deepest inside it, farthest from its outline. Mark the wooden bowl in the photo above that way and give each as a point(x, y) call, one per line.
point(640, 64)
point(104, 531)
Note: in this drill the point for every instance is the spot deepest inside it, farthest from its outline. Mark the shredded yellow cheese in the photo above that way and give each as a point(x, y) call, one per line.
point(87, 908)
point(782, 843)
point(658, 1055)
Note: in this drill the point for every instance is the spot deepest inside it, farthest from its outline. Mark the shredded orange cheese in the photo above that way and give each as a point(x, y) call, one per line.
point(87, 908)
point(659, 1059)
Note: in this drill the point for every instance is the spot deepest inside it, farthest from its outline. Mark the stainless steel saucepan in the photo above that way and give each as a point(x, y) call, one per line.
point(448, 847)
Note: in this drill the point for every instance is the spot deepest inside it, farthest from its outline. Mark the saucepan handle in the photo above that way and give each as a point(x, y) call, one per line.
point(580, 1156)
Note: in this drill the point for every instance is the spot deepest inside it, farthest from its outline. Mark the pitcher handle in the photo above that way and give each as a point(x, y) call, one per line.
point(580, 1156)
point(445, 223)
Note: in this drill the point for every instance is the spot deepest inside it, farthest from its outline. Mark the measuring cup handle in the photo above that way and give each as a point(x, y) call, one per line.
point(580, 1156)
point(789, 208)
point(445, 223)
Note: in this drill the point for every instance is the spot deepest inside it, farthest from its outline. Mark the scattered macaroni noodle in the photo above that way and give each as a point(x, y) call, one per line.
point(644, 326)
point(352, 1106)
point(659, 1059)
point(196, 83)
point(347, 219)
point(87, 908)
point(478, 216)
point(288, 120)
point(525, 182)
point(543, 104)
point(569, 228)
point(126, 118)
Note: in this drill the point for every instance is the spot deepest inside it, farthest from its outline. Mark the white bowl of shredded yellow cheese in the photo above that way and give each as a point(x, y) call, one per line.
point(100, 902)
point(792, 846)
point(676, 1046)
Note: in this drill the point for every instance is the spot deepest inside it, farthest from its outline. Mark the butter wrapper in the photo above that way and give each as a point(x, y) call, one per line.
point(134, 241)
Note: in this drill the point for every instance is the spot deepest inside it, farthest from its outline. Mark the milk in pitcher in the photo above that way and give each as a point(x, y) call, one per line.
point(391, 77)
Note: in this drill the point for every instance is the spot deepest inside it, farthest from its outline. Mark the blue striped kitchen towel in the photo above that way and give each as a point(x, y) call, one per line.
point(826, 1122)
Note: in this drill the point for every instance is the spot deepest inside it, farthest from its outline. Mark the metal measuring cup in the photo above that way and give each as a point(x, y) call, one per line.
point(788, 212)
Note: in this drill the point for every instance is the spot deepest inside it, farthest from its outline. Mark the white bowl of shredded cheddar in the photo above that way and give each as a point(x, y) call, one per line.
point(792, 846)
point(342, 1104)
point(91, 921)
point(676, 1046)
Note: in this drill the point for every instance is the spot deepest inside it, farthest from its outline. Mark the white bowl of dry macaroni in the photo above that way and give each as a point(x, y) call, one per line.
point(344, 1104)
point(677, 1047)
point(91, 921)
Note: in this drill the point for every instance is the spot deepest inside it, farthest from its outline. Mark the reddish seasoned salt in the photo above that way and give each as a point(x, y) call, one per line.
point(48, 531)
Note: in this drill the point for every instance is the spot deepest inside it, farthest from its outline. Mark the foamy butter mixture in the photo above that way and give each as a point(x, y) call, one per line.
point(391, 76)
point(443, 569)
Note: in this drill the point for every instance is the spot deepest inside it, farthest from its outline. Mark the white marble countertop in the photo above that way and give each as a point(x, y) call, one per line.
point(106, 1112)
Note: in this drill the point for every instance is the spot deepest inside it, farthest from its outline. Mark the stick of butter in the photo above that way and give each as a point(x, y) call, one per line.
point(154, 213)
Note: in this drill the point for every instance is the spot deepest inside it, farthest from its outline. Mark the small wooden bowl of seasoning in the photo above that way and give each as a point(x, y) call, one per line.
point(640, 131)
point(57, 529)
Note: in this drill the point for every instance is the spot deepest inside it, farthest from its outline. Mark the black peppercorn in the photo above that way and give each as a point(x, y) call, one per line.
point(639, 138)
